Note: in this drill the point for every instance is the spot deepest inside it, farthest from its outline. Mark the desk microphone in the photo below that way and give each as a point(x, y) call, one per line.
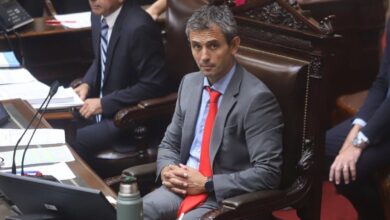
point(53, 90)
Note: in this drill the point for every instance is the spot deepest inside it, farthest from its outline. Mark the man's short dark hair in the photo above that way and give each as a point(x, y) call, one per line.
point(208, 15)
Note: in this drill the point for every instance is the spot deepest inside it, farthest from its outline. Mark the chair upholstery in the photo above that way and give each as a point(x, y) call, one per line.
point(286, 78)
point(348, 105)
point(283, 58)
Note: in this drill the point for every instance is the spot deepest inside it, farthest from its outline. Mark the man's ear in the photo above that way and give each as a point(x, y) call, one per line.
point(235, 44)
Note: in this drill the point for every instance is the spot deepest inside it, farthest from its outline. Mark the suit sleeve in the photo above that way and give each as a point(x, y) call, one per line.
point(376, 108)
point(147, 57)
point(169, 149)
point(90, 75)
point(263, 134)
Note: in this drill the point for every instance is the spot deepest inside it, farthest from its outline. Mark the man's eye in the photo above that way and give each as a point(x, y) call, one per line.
point(213, 46)
point(196, 47)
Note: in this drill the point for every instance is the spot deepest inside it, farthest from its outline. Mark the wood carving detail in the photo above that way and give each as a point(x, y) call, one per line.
point(326, 25)
point(274, 38)
point(304, 166)
point(316, 67)
point(275, 14)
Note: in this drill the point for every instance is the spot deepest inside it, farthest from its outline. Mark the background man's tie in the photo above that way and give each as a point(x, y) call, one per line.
point(191, 201)
point(103, 57)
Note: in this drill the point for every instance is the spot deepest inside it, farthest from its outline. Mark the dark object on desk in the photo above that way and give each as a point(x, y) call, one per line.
point(13, 15)
point(39, 175)
point(4, 116)
point(33, 7)
point(70, 6)
point(37, 198)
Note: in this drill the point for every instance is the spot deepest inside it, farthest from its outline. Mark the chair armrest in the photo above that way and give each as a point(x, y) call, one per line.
point(259, 197)
point(146, 176)
point(157, 102)
point(141, 170)
point(146, 110)
point(76, 82)
point(258, 203)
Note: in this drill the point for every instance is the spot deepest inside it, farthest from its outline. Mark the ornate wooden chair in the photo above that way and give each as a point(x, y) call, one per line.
point(289, 52)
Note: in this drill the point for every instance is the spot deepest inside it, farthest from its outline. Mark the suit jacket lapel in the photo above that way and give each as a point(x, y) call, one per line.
point(227, 103)
point(95, 20)
point(194, 99)
point(115, 36)
point(96, 34)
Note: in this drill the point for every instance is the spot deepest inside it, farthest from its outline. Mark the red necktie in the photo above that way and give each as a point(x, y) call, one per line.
point(191, 201)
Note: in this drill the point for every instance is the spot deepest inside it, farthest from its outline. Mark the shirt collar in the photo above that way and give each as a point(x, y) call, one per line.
point(221, 84)
point(110, 19)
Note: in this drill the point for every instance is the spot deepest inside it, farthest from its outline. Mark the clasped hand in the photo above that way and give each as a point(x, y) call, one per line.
point(183, 179)
point(91, 106)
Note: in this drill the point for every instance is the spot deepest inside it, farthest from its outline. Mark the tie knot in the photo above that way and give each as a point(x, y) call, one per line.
point(104, 24)
point(214, 95)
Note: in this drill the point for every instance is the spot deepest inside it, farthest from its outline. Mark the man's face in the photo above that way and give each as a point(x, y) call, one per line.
point(212, 53)
point(104, 7)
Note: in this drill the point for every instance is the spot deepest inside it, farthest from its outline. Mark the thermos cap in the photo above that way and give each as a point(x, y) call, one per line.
point(128, 185)
point(127, 179)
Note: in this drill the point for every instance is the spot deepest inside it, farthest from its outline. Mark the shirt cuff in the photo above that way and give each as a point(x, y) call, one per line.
point(360, 122)
point(363, 137)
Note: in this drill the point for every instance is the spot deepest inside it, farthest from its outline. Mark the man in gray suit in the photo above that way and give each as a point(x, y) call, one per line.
point(243, 140)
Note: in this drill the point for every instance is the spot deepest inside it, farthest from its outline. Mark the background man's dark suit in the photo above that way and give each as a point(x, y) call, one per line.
point(134, 71)
point(376, 112)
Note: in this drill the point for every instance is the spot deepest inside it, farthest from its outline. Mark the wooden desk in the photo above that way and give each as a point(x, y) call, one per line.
point(52, 52)
point(21, 113)
point(65, 114)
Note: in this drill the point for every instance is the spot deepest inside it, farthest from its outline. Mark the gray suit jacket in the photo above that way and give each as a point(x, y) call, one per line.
point(246, 143)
